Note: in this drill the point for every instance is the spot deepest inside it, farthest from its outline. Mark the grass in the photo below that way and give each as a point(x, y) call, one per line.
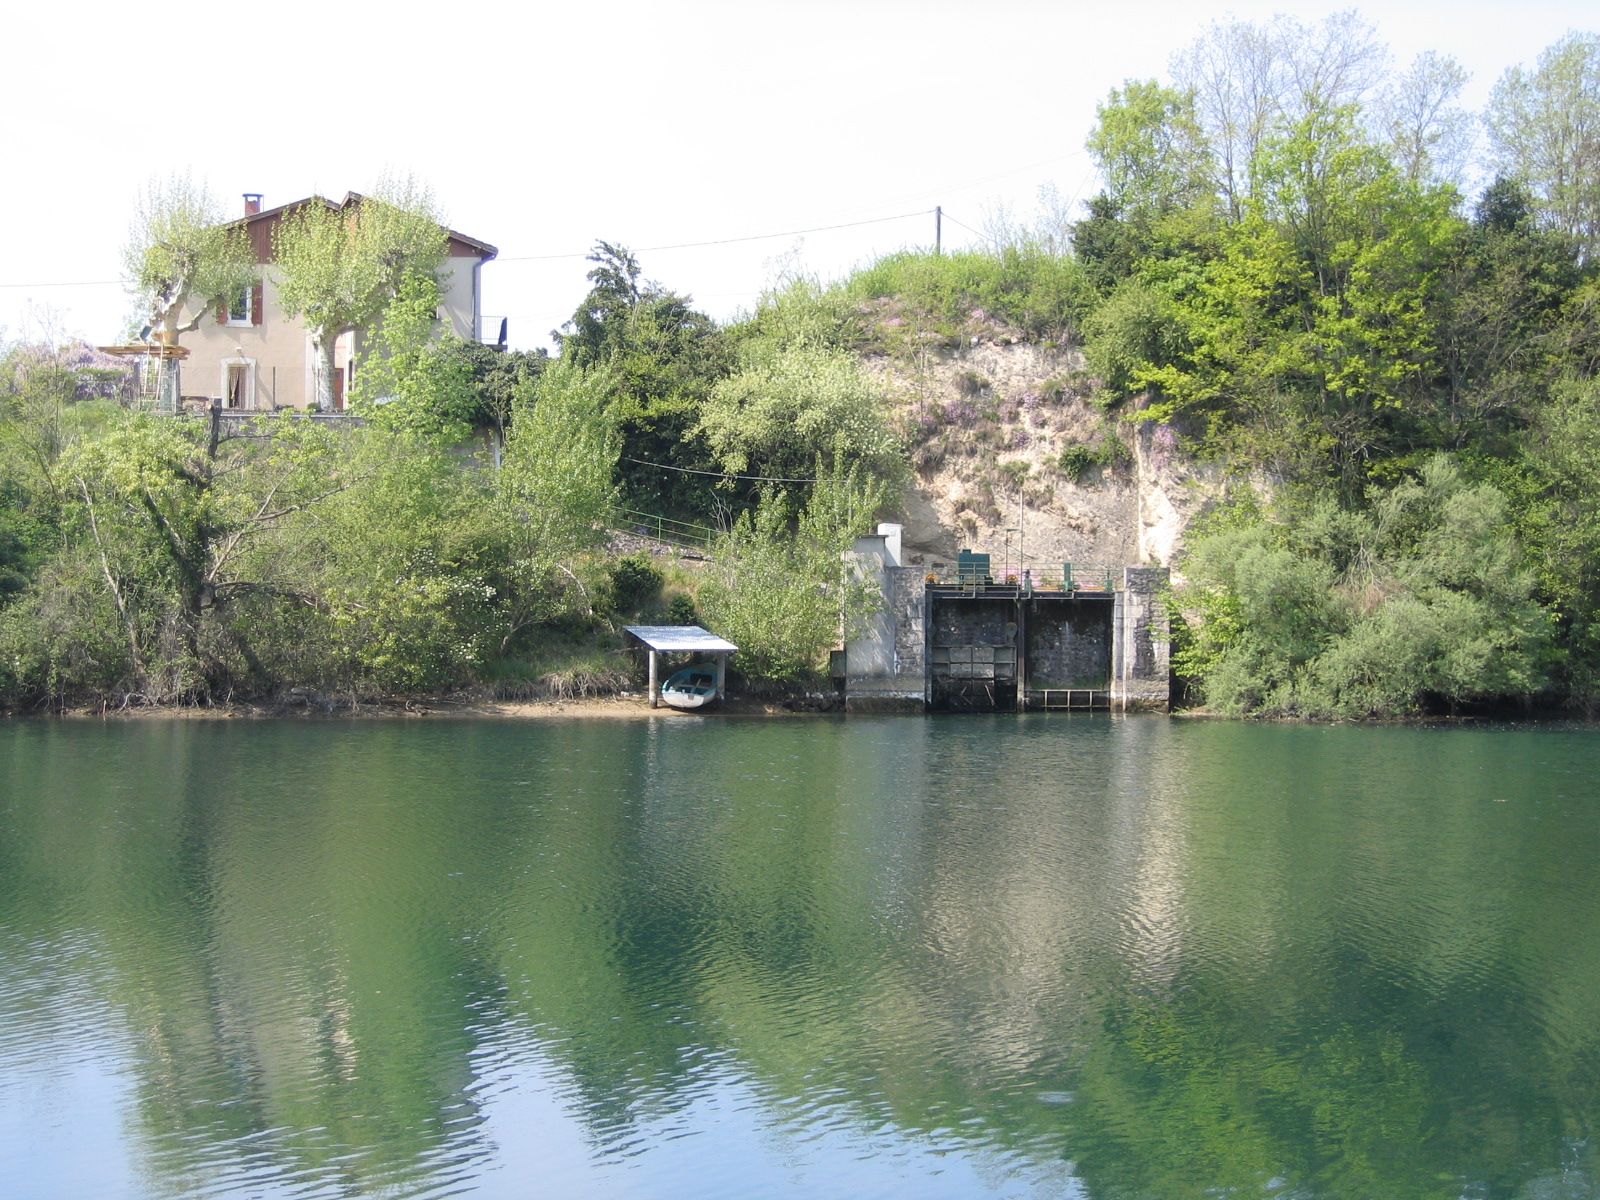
point(558, 667)
point(1020, 292)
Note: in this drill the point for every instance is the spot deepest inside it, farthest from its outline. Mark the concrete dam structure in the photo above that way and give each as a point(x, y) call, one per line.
point(1037, 638)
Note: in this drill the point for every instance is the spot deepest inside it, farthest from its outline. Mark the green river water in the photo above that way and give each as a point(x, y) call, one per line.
point(1029, 956)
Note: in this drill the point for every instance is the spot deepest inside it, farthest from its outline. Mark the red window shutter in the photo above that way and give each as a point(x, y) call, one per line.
point(222, 310)
point(255, 304)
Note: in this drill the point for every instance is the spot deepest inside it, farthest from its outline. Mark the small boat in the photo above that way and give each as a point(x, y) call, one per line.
point(692, 687)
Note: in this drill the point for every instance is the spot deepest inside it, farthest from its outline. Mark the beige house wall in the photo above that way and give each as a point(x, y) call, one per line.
point(276, 357)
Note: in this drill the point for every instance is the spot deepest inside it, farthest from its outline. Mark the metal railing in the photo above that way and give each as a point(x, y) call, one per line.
point(662, 529)
point(1036, 577)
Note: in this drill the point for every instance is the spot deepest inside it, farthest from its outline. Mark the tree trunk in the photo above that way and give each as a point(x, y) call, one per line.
point(323, 344)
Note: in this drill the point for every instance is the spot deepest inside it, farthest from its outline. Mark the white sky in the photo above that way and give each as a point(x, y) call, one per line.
point(542, 127)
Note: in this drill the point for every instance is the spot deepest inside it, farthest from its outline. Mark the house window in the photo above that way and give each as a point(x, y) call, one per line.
point(241, 307)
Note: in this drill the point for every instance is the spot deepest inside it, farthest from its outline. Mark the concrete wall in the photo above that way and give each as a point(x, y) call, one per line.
point(1140, 662)
point(885, 668)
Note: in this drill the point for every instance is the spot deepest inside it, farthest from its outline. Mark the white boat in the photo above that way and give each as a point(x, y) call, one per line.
point(692, 687)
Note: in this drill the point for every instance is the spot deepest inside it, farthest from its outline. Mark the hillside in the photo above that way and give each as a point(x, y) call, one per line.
point(987, 426)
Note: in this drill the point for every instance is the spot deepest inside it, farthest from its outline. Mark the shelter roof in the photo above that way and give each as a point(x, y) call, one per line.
point(680, 639)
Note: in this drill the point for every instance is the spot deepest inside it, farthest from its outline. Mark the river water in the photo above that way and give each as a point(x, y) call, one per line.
point(957, 957)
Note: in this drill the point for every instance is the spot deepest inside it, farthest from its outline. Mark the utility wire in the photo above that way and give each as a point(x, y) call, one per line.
point(755, 237)
point(969, 228)
point(720, 474)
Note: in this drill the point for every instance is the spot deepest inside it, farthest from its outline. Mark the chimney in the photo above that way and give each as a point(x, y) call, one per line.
point(252, 203)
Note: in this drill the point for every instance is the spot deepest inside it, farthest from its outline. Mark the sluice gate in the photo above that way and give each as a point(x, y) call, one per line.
point(1039, 640)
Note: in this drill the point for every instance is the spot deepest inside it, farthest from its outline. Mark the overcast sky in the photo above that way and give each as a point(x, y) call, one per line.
point(542, 127)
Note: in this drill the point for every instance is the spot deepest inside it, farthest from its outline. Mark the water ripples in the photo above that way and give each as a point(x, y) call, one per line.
point(985, 957)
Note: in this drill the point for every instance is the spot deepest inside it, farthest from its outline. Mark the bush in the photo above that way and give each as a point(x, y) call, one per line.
point(633, 580)
point(1422, 597)
point(1076, 462)
point(794, 406)
point(1128, 333)
point(781, 591)
point(1039, 294)
point(681, 610)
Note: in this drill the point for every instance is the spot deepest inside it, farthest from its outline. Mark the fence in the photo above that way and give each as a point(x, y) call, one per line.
point(1038, 577)
point(662, 529)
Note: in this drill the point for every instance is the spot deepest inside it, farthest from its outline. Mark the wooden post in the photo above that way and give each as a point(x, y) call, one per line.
point(722, 674)
point(655, 691)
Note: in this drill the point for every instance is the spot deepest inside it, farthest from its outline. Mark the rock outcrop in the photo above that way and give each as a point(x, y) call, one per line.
point(1013, 457)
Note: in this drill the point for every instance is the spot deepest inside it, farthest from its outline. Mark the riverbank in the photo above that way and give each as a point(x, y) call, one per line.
point(627, 706)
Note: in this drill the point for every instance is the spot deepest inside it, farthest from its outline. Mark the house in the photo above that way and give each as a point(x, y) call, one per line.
point(248, 355)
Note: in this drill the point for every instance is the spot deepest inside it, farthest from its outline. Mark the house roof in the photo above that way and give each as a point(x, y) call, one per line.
point(267, 216)
point(680, 639)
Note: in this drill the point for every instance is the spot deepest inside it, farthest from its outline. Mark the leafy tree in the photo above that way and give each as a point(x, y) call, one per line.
point(792, 406)
point(1248, 79)
point(164, 521)
point(662, 356)
point(1504, 336)
point(400, 571)
point(416, 376)
point(1544, 128)
point(1560, 517)
point(499, 375)
point(1316, 323)
point(340, 267)
point(1425, 594)
point(781, 590)
point(1151, 153)
point(182, 249)
point(556, 490)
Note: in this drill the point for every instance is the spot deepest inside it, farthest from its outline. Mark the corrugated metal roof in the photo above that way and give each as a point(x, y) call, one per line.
point(680, 639)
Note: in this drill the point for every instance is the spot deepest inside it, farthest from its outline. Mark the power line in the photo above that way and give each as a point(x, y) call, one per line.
point(969, 228)
point(719, 474)
point(755, 237)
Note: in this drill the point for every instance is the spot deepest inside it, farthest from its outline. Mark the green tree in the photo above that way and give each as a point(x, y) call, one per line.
point(416, 376)
point(166, 519)
point(791, 406)
point(1544, 127)
point(662, 356)
point(1424, 594)
point(1248, 80)
point(181, 249)
point(556, 490)
point(1504, 334)
point(1316, 324)
point(340, 267)
point(1150, 151)
point(781, 589)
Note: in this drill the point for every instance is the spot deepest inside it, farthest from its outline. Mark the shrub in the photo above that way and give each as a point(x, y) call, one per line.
point(681, 610)
point(1038, 294)
point(633, 580)
point(1422, 596)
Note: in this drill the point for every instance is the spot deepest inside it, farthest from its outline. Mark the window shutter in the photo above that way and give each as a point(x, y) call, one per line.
point(255, 304)
point(222, 310)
